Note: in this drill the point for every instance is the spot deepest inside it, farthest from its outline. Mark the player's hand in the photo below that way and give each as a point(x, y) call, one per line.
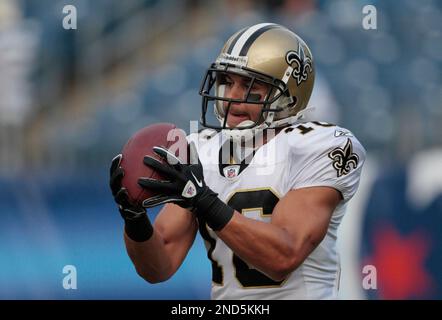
point(121, 197)
point(185, 184)
point(137, 225)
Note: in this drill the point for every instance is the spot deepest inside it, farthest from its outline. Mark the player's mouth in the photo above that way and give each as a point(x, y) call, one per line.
point(238, 117)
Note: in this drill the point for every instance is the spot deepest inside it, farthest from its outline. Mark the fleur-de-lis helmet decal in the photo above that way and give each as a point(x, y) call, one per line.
point(344, 160)
point(303, 64)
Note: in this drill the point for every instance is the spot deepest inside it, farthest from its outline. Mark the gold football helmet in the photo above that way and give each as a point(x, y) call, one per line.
point(267, 54)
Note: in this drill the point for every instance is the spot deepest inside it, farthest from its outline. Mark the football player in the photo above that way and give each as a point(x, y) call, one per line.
point(266, 189)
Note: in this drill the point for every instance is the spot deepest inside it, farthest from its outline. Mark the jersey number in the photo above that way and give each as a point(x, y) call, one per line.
point(304, 130)
point(257, 200)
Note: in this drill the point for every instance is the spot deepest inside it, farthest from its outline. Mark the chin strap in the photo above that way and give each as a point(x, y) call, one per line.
point(300, 116)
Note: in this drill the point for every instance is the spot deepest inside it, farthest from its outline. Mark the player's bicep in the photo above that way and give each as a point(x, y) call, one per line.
point(177, 227)
point(305, 215)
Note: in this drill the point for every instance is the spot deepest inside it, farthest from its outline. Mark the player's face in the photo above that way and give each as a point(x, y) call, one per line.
point(236, 88)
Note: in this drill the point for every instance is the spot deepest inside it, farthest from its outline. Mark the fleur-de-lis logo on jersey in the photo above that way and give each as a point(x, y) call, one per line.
point(303, 64)
point(344, 160)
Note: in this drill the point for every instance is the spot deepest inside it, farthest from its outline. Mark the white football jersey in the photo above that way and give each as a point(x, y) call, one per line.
point(303, 155)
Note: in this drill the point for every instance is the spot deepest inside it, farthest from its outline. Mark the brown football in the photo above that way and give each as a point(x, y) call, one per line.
point(140, 144)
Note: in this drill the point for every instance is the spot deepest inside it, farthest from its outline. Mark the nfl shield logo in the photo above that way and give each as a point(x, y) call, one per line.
point(190, 191)
point(231, 172)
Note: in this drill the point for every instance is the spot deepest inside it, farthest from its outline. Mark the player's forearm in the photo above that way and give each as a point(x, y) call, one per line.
point(150, 258)
point(265, 246)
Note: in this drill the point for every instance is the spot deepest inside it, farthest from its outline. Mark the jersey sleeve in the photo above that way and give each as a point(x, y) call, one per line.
point(329, 156)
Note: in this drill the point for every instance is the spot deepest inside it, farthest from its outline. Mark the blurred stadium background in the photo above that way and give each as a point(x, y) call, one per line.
point(71, 98)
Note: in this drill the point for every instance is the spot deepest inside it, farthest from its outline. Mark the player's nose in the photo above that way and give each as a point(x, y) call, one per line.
point(236, 91)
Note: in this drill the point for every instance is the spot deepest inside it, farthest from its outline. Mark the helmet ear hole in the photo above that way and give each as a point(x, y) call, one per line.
point(293, 104)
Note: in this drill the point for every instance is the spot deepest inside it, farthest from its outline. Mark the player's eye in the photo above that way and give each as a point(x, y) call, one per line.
point(225, 80)
point(257, 85)
point(254, 97)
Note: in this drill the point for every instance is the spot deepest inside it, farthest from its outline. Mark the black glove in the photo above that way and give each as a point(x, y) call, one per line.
point(185, 187)
point(137, 224)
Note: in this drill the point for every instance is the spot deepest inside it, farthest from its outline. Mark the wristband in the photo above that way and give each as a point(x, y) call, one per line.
point(215, 212)
point(138, 229)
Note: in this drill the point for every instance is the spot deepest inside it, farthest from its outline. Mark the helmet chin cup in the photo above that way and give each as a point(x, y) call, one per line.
point(244, 135)
point(245, 123)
